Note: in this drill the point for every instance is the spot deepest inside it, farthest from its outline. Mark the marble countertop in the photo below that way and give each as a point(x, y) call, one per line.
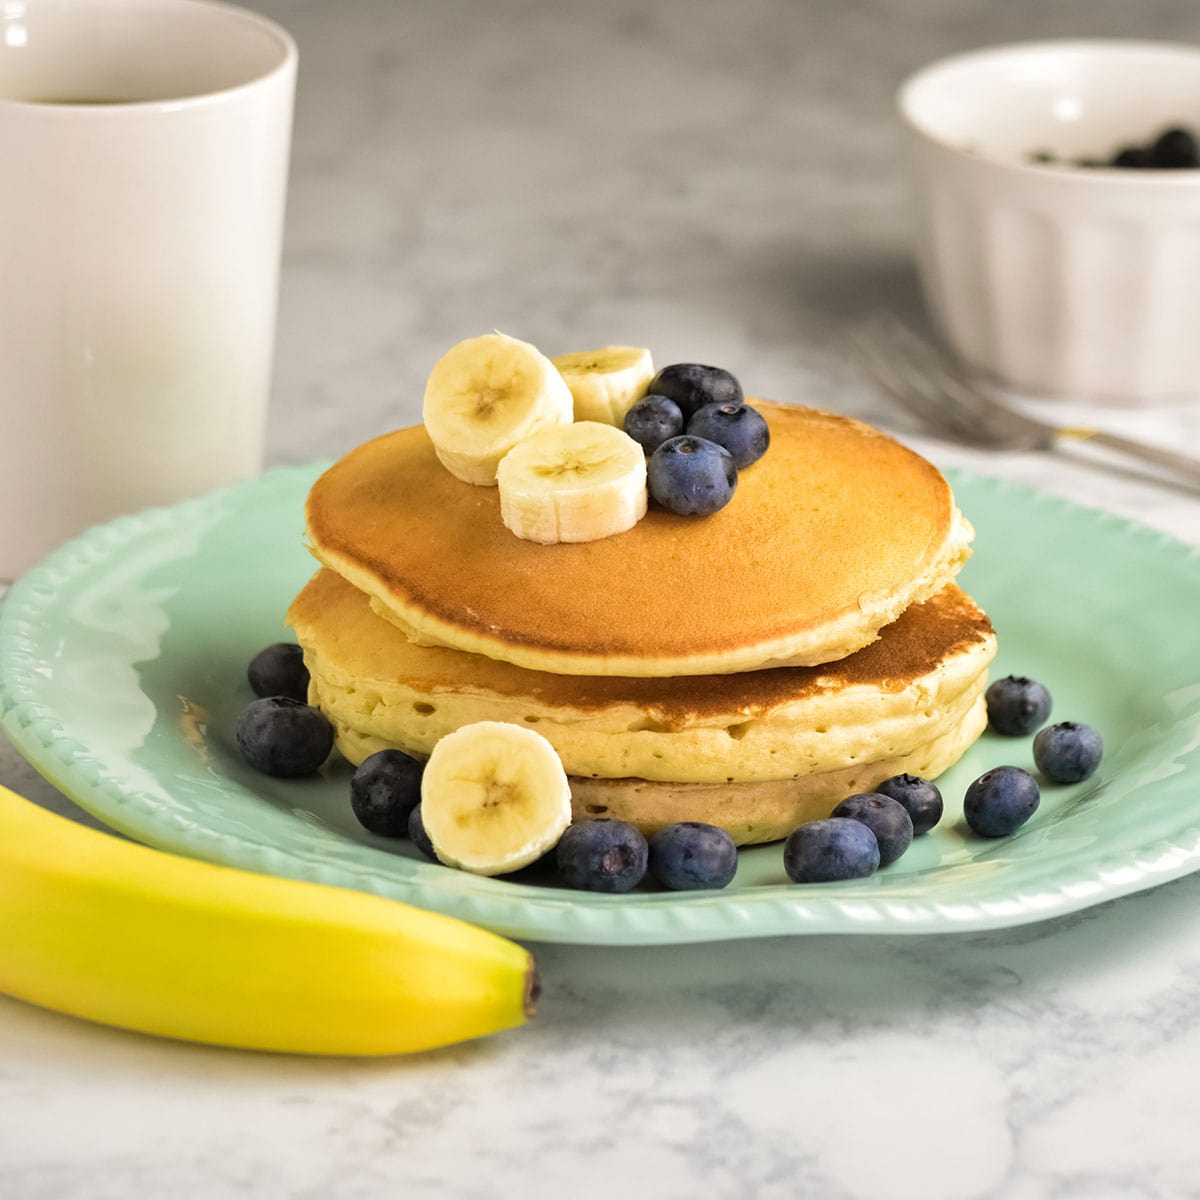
point(719, 181)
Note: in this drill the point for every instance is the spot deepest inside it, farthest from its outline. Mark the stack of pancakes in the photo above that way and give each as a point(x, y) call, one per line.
point(749, 669)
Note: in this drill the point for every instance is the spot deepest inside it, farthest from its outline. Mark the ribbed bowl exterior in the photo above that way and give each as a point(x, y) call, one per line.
point(1062, 281)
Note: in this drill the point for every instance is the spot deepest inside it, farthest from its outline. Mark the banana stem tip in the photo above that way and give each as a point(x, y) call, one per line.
point(533, 988)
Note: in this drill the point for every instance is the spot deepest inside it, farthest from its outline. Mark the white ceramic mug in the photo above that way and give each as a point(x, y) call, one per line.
point(145, 149)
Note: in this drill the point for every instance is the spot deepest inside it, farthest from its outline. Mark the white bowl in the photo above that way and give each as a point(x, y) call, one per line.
point(1054, 279)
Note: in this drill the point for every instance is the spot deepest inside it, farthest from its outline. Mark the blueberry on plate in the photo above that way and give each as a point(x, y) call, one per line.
point(741, 429)
point(1067, 752)
point(602, 856)
point(1016, 705)
point(1000, 801)
point(691, 476)
point(830, 850)
point(886, 818)
point(280, 736)
point(418, 836)
point(652, 421)
point(386, 787)
point(693, 385)
point(279, 670)
point(921, 799)
point(541, 871)
point(690, 855)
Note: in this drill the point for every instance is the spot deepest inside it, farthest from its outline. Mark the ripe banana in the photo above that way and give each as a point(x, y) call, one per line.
point(118, 933)
point(494, 797)
point(485, 395)
point(606, 384)
point(573, 483)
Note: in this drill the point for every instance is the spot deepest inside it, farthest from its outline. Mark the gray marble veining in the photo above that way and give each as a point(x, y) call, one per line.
point(719, 181)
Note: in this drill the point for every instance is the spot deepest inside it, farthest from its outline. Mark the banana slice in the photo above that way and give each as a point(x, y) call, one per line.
point(485, 395)
point(494, 797)
point(573, 483)
point(606, 383)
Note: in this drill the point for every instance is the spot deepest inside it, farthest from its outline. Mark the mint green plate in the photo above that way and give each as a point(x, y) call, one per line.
point(122, 670)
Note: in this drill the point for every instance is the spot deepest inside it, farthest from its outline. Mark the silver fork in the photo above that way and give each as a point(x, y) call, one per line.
point(923, 380)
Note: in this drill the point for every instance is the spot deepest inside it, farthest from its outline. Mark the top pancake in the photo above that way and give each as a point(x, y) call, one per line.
point(829, 537)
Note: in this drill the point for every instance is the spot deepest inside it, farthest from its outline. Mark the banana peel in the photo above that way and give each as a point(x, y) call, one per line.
point(118, 933)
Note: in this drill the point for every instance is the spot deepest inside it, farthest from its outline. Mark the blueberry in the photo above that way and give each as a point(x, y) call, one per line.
point(690, 854)
point(1175, 148)
point(829, 850)
point(1016, 705)
point(921, 799)
point(693, 385)
point(1137, 158)
point(279, 670)
point(691, 476)
point(418, 836)
point(886, 818)
point(602, 856)
point(1067, 752)
point(281, 736)
point(652, 420)
point(385, 789)
point(1000, 801)
point(541, 870)
point(738, 427)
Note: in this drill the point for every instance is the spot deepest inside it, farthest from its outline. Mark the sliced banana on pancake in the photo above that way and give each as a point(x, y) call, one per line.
point(494, 797)
point(606, 383)
point(485, 395)
point(573, 483)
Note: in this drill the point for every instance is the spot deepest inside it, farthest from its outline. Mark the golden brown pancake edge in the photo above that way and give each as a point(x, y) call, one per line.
point(834, 518)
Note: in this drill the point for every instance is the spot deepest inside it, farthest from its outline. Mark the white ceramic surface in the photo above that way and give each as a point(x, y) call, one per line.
point(140, 246)
point(1059, 280)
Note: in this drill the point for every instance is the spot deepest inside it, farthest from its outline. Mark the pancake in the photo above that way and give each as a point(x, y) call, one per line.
point(913, 685)
point(749, 812)
point(770, 810)
point(830, 536)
